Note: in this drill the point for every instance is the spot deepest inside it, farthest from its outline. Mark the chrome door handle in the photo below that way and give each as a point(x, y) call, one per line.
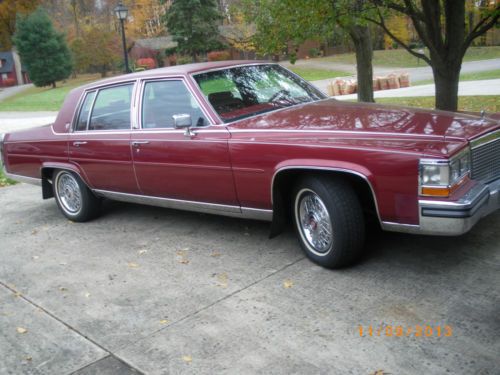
point(79, 143)
point(137, 143)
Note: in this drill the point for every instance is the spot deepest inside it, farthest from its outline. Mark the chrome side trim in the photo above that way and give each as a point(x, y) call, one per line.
point(25, 179)
point(203, 207)
point(331, 170)
point(401, 228)
point(257, 214)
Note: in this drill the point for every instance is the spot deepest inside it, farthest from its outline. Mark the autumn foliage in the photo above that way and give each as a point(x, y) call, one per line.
point(218, 56)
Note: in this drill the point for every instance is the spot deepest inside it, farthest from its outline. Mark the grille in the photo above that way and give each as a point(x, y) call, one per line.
point(486, 158)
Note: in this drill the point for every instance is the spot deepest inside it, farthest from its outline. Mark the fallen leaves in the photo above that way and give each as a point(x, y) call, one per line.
point(182, 256)
point(133, 265)
point(87, 295)
point(215, 254)
point(164, 321)
point(34, 232)
point(63, 289)
point(142, 251)
point(379, 372)
point(222, 280)
point(21, 330)
point(287, 283)
point(187, 358)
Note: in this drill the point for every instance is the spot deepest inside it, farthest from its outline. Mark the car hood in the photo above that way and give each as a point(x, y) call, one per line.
point(372, 119)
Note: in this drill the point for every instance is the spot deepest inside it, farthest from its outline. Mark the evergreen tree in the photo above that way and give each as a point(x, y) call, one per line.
point(43, 50)
point(193, 24)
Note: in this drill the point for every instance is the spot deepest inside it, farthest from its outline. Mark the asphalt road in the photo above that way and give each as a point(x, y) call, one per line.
point(159, 291)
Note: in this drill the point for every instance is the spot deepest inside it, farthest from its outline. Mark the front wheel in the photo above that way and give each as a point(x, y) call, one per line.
point(73, 197)
point(329, 221)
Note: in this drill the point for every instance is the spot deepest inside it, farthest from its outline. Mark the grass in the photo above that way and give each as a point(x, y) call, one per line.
point(313, 74)
point(4, 181)
point(465, 103)
point(477, 76)
point(45, 98)
point(402, 58)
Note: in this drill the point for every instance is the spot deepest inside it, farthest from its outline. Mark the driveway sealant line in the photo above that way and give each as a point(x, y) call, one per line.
point(214, 303)
point(22, 296)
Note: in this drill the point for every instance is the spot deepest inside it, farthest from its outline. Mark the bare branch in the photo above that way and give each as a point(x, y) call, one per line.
point(481, 27)
point(382, 24)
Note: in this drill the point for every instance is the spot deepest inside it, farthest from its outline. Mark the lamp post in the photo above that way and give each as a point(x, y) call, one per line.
point(121, 13)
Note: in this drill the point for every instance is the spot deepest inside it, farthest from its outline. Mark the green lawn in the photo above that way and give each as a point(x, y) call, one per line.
point(313, 74)
point(45, 98)
point(402, 58)
point(4, 181)
point(465, 103)
point(489, 74)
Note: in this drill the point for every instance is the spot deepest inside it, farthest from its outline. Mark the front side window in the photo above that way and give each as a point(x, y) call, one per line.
point(244, 91)
point(112, 108)
point(164, 99)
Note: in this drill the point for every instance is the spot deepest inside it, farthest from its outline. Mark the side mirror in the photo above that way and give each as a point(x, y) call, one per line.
point(183, 121)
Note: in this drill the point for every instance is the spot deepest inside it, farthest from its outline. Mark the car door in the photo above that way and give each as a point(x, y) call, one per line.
point(100, 141)
point(171, 164)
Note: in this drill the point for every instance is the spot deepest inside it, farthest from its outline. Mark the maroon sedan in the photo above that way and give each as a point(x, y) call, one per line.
point(253, 140)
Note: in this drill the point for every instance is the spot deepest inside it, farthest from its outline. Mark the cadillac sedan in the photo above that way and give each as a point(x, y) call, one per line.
point(253, 140)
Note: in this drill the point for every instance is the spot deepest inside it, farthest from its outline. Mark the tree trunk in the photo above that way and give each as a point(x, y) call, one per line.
point(446, 78)
point(362, 40)
point(53, 84)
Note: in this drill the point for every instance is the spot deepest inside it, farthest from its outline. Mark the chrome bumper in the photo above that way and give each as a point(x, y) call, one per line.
point(441, 218)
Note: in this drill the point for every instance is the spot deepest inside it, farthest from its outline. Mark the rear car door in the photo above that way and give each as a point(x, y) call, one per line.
point(100, 141)
point(170, 164)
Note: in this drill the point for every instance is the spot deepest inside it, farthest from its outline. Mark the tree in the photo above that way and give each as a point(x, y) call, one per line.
point(193, 24)
point(294, 21)
point(97, 50)
point(146, 18)
point(442, 27)
point(237, 32)
point(42, 49)
point(9, 9)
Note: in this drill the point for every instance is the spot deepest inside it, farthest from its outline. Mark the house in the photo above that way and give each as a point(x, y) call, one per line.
point(11, 71)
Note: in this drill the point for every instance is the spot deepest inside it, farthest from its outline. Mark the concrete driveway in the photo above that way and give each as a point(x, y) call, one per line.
point(159, 291)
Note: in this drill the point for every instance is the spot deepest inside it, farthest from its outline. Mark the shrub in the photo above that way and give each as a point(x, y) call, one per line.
point(181, 60)
point(218, 56)
point(314, 52)
point(146, 62)
point(9, 82)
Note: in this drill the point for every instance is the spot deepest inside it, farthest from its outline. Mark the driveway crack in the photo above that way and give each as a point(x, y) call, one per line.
point(214, 303)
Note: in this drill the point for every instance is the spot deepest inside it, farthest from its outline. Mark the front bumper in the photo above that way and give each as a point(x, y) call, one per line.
point(444, 218)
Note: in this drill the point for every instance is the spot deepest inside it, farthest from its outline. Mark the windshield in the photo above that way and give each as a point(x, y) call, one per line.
point(245, 91)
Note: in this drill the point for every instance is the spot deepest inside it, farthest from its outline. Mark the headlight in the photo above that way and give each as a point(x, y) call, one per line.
point(442, 177)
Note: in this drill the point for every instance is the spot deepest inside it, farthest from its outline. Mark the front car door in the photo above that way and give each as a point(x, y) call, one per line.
point(170, 164)
point(100, 141)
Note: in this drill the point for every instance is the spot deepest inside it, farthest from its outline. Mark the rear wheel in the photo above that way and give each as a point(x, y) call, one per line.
point(329, 221)
point(73, 197)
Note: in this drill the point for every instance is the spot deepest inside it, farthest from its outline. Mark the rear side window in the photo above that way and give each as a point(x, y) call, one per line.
point(112, 108)
point(84, 112)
